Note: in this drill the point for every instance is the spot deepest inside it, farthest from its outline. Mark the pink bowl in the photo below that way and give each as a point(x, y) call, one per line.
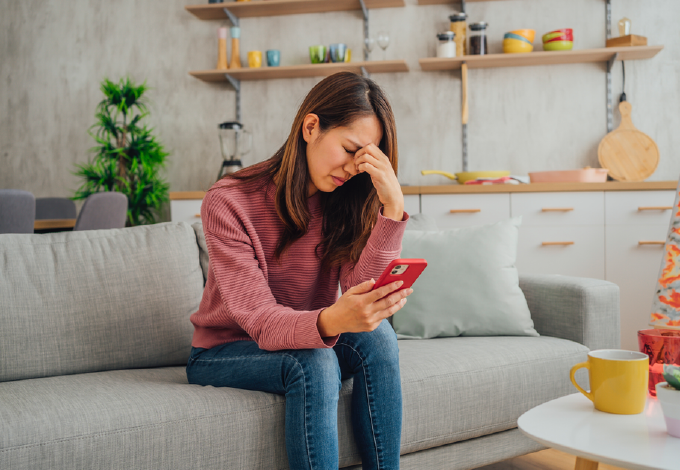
point(586, 175)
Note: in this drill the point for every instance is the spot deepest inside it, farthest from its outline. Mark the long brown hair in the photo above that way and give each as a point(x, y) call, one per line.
point(350, 211)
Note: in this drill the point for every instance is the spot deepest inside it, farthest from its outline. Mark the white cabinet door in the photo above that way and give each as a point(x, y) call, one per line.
point(412, 204)
point(186, 210)
point(634, 267)
point(551, 209)
point(639, 207)
point(464, 210)
point(570, 251)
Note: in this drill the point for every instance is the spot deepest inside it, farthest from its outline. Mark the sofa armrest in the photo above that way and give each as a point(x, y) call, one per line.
point(574, 308)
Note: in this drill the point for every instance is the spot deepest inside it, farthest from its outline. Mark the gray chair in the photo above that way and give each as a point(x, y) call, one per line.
point(17, 211)
point(54, 208)
point(103, 211)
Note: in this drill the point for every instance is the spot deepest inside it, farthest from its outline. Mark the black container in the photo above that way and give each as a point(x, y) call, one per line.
point(478, 42)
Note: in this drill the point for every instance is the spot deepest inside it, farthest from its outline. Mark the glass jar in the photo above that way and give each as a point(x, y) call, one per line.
point(459, 28)
point(446, 47)
point(478, 42)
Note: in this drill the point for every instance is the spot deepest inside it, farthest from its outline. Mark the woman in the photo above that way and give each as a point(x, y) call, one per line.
point(326, 209)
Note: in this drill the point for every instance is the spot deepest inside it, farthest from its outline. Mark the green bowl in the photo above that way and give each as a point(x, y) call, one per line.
point(558, 46)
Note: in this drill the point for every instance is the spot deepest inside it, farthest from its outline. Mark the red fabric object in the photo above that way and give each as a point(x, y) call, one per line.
point(250, 296)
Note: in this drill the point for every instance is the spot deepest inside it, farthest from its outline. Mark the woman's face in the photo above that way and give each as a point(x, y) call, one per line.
point(330, 156)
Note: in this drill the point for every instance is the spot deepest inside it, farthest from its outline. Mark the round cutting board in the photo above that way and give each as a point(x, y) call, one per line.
point(628, 154)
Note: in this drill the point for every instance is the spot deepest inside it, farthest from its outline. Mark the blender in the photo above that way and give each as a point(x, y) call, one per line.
point(234, 143)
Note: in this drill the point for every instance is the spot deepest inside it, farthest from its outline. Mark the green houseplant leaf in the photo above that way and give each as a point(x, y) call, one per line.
point(672, 376)
point(127, 157)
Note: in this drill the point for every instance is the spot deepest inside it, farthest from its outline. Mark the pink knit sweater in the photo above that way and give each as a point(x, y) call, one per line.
point(250, 296)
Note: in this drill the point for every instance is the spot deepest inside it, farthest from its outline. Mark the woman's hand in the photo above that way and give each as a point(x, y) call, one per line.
point(372, 160)
point(362, 309)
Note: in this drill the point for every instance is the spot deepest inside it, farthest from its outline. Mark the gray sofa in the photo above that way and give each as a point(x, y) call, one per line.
point(95, 333)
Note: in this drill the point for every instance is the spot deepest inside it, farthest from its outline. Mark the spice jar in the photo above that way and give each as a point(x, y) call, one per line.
point(446, 47)
point(459, 27)
point(478, 43)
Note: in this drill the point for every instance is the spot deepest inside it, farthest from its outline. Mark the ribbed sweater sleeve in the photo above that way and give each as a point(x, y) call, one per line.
point(244, 289)
point(383, 246)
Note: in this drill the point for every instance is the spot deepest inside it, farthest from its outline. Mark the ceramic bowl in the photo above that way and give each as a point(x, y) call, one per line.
point(530, 34)
point(558, 46)
point(514, 46)
point(516, 36)
point(567, 33)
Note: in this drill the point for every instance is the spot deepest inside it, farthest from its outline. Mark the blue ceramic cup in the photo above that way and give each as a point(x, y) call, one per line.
point(273, 58)
point(338, 52)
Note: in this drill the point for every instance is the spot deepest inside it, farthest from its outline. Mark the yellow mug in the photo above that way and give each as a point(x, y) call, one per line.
point(618, 380)
point(255, 59)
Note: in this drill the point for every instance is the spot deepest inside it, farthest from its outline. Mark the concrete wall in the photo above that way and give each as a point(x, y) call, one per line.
point(53, 55)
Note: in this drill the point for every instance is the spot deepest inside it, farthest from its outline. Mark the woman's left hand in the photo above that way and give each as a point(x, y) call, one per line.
point(372, 160)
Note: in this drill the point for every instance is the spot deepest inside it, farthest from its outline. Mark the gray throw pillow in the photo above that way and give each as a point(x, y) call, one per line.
point(470, 286)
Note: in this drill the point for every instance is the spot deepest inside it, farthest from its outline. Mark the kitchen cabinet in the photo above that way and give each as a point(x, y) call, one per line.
point(464, 210)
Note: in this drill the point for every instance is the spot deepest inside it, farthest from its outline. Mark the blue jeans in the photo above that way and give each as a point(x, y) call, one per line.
point(310, 381)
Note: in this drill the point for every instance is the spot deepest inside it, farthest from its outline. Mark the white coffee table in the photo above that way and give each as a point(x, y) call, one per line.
point(573, 425)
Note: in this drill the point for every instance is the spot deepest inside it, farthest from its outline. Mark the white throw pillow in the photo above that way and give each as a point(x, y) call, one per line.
point(470, 286)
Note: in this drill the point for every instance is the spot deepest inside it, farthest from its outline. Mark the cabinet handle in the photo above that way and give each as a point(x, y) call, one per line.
point(464, 211)
point(198, 215)
point(655, 208)
point(557, 209)
point(651, 242)
point(556, 243)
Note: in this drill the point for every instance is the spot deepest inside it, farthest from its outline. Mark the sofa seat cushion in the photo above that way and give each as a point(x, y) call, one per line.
point(453, 388)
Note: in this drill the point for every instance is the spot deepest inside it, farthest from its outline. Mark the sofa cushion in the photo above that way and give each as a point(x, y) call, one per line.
point(454, 389)
point(74, 302)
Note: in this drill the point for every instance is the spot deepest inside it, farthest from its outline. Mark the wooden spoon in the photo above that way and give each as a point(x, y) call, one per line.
point(629, 154)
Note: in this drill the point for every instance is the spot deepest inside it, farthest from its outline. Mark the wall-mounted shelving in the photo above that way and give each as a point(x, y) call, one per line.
point(444, 2)
point(215, 11)
point(301, 71)
point(604, 54)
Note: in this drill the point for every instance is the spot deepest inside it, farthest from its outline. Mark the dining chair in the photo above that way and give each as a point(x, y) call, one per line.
point(17, 211)
point(54, 208)
point(103, 210)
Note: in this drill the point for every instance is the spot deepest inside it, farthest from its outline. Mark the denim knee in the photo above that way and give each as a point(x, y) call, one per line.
point(316, 369)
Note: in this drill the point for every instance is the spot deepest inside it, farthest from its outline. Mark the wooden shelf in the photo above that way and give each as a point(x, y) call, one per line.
point(215, 11)
point(444, 2)
point(541, 58)
point(300, 71)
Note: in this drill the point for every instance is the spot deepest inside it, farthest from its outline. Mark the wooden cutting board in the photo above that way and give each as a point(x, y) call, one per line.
point(628, 154)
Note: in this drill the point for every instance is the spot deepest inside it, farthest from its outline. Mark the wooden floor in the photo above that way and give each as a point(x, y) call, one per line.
point(550, 459)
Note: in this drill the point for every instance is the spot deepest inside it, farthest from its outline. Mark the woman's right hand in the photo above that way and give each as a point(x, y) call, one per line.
point(362, 309)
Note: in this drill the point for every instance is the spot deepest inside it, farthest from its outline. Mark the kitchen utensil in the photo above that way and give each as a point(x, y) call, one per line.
point(317, 54)
point(629, 154)
point(338, 52)
point(235, 142)
point(254, 59)
point(511, 46)
point(516, 36)
point(235, 55)
point(459, 27)
point(558, 46)
point(273, 58)
point(478, 42)
point(464, 176)
point(530, 34)
point(568, 34)
point(584, 175)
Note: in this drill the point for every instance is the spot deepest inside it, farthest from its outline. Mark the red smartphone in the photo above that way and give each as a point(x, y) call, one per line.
point(403, 269)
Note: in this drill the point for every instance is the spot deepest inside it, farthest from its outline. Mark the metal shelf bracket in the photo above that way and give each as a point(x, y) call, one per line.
point(364, 10)
point(237, 86)
point(233, 18)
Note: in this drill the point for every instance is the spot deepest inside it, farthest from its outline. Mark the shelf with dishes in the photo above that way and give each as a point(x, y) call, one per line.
point(258, 8)
point(541, 58)
point(301, 71)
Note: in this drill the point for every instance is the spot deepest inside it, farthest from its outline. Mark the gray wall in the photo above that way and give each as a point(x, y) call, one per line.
point(53, 55)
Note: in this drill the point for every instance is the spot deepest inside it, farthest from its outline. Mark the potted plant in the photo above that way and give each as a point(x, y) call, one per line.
point(668, 394)
point(127, 157)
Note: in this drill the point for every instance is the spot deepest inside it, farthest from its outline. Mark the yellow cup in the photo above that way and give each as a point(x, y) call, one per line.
point(618, 380)
point(255, 59)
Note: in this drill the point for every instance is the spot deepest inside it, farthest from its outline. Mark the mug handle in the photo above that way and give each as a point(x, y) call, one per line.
point(578, 366)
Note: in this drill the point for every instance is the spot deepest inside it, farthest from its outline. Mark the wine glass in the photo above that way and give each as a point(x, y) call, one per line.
point(369, 44)
point(383, 42)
